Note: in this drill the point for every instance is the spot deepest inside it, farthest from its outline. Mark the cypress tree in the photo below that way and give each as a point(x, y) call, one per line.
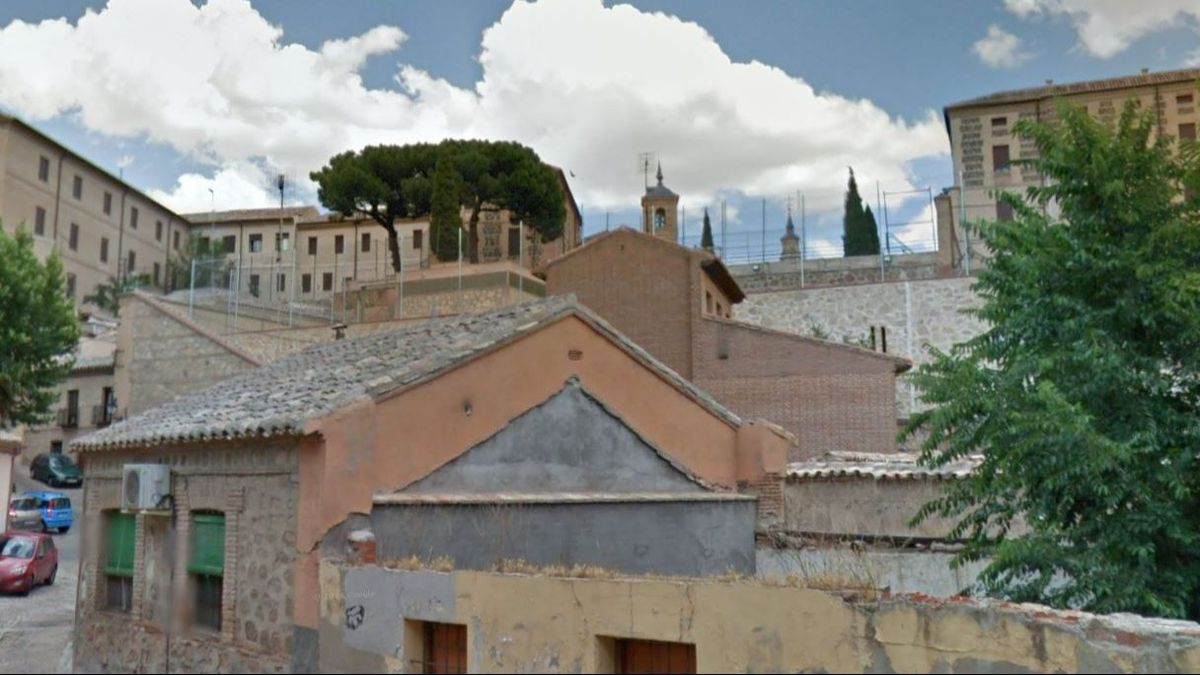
point(870, 232)
point(445, 219)
point(706, 238)
point(859, 236)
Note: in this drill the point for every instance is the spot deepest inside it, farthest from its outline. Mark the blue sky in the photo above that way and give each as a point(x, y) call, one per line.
point(588, 86)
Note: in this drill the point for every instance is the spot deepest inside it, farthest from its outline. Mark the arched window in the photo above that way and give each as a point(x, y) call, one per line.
point(660, 219)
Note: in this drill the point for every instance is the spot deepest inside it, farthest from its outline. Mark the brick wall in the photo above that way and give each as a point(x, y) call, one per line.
point(641, 285)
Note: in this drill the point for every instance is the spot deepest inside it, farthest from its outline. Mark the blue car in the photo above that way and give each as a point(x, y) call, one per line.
point(56, 510)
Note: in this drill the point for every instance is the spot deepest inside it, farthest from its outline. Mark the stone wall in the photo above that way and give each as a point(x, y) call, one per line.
point(256, 490)
point(895, 570)
point(426, 298)
point(784, 275)
point(372, 621)
point(914, 313)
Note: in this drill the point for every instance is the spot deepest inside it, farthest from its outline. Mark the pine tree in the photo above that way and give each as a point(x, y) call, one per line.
point(445, 220)
point(706, 238)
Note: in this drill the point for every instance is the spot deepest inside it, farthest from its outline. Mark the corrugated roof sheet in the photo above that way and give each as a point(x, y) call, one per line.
point(889, 466)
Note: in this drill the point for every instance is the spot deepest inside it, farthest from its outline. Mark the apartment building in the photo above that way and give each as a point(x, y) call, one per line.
point(100, 226)
point(983, 147)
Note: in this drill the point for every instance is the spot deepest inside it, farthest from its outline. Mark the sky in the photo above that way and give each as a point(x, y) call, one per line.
point(757, 104)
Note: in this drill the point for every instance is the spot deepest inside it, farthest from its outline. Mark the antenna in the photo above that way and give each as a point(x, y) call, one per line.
point(645, 159)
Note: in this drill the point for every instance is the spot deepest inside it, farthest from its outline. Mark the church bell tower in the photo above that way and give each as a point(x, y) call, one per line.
point(660, 208)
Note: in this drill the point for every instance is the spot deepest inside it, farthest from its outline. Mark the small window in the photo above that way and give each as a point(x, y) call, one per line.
point(306, 283)
point(39, 221)
point(1000, 160)
point(312, 245)
point(282, 242)
point(77, 187)
point(338, 244)
point(418, 239)
point(56, 447)
point(70, 285)
point(1004, 212)
point(366, 242)
point(256, 243)
point(44, 169)
point(229, 243)
point(73, 238)
point(206, 567)
point(254, 285)
point(108, 203)
point(708, 302)
point(282, 283)
point(158, 230)
point(118, 565)
point(514, 243)
point(103, 249)
point(327, 281)
point(1187, 132)
point(133, 217)
point(132, 263)
point(1184, 99)
point(999, 122)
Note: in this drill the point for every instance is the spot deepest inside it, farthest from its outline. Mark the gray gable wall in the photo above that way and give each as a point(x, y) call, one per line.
point(570, 443)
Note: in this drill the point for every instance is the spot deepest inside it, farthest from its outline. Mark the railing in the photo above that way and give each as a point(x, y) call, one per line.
point(68, 418)
point(101, 417)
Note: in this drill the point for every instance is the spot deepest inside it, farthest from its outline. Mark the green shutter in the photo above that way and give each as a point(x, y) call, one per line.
point(208, 544)
point(121, 527)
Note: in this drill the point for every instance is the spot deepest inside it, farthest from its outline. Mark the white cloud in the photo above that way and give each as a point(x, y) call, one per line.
point(1000, 49)
point(1108, 27)
point(235, 185)
point(220, 83)
point(1193, 60)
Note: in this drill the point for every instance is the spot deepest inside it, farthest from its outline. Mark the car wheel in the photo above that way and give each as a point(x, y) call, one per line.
point(28, 586)
point(53, 573)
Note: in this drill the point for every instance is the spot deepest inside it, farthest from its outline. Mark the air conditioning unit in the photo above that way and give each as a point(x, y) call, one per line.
point(145, 487)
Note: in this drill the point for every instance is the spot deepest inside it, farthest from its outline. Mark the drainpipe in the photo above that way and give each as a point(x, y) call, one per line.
point(121, 237)
point(57, 197)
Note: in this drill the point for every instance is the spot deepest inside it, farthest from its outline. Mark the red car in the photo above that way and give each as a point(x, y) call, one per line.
point(26, 560)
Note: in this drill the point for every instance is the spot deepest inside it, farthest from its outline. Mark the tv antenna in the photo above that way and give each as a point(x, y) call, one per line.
point(645, 160)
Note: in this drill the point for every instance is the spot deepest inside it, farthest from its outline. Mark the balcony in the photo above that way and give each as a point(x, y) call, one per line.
point(101, 417)
point(68, 418)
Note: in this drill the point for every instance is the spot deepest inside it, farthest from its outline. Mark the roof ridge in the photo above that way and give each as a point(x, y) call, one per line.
point(902, 364)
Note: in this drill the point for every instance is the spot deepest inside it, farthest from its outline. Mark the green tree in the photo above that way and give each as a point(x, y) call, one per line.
point(212, 266)
point(38, 330)
point(386, 182)
point(445, 221)
point(859, 234)
point(1083, 391)
point(706, 238)
point(108, 295)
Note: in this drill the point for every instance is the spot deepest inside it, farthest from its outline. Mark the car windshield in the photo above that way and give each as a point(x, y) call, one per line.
point(25, 503)
point(60, 503)
point(17, 548)
point(59, 462)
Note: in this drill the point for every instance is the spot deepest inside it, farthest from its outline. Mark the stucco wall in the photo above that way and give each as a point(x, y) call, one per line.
point(861, 507)
point(518, 623)
point(256, 491)
point(894, 570)
point(915, 313)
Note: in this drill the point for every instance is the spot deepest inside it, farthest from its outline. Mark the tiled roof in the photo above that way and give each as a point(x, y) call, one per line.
point(409, 498)
point(892, 466)
point(1052, 90)
point(204, 217)
point(279, 398)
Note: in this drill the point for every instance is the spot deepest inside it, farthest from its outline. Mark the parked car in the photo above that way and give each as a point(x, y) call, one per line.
point(26, 561)
point(24, 513)
point(56, 470)
point(55, 511)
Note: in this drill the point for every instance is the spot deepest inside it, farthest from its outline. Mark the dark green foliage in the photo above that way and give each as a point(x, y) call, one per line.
point(860, 235)
point(445, 219)
point(1083, 392)
point(706, 238)
point(386, 182)
point(38, 330)
point(108, 295)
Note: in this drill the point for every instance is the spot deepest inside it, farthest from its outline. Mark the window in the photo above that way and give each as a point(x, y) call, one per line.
point(708, 302)
point(77, 187)
point(132, 260)
point(1000, 158)
point(158, 230)
point(206, 567)
point(282, 242)
point(306, 283)
point(514, 243)
point(39, 221)
point(118, 564)
point(366, 242)
point(73, 238)
point(999, 122)
point(338, 244)
point(175, 240)
point(1184, 99)
point(254, 285)
point(418, 239)
point(44, 169)
point(103, 249)
point(157, 270)
point(1004, 212)
point(437, 647)
point(256, 243)
point(70, 285)
point(660, 219)
point(650, 656)
point(1187, 132)
point(108, 203)
point(229, 243)
point(327, 281)
point(312, 245)
point(282, 286)
point(133, 217)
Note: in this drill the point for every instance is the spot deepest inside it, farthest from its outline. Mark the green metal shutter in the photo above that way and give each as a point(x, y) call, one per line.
point(121, 527)
point(208, 544)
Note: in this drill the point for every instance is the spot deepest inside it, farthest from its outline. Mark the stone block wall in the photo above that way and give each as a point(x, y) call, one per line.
point(256, 490)
point(785, 275)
